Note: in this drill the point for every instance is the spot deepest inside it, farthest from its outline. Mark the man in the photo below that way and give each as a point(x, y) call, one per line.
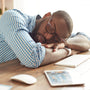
point(25, 38)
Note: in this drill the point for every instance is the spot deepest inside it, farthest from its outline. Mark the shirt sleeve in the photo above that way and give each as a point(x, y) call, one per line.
point(14, 29)
point(28, 52)
point(80, 33)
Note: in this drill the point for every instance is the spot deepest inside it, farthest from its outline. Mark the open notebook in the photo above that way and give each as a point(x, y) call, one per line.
point(73, 61)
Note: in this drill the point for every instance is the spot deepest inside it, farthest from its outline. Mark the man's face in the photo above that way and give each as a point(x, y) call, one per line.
point(52, 31)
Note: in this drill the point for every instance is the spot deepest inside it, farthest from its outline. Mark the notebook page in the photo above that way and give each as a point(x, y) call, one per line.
point(73, 61)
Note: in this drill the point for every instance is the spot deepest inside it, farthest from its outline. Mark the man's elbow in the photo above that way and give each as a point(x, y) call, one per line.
point(31, 64)
point(84, 47)
point(34, 65)
point(87, 47)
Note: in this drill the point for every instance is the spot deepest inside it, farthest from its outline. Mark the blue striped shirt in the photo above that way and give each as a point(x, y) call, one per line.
point(15, 41)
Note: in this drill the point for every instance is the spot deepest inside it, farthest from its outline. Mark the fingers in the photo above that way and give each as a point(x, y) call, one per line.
point(54, 46)
point(48, 45)
point(58, 46)
point(61, 45)
point(45, 45)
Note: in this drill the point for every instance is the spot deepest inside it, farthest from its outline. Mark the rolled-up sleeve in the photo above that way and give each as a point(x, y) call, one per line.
point(30, 53)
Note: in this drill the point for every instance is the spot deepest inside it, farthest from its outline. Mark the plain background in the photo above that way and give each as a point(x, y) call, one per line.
point(79, 10)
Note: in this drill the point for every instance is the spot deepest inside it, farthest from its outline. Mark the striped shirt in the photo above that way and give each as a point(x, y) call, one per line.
point(15, 41)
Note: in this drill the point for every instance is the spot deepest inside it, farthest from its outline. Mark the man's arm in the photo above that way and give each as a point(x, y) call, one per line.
point(13, 26)
point(51, 56)
point(79, 42)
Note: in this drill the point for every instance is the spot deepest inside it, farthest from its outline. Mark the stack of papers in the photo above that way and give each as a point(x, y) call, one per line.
point(73, 61)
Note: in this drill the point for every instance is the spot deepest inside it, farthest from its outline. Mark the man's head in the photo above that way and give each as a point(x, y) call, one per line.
point(53, 28)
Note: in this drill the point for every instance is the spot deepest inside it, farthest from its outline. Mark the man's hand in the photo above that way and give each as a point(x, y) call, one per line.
point(54, 46)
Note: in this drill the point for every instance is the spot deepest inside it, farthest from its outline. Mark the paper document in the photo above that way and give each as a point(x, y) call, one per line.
point(5, 87)
point(73, 61)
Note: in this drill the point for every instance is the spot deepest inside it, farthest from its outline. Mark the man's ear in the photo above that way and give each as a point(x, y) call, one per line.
point(47, 14)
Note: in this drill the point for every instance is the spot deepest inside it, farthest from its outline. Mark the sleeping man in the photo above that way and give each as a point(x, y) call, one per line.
point(37, 41)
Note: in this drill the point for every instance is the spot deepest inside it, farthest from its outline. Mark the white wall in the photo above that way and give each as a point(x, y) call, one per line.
point(79, 10)
point(19, 4)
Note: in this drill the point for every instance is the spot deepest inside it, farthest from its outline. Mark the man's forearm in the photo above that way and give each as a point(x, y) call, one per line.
point(79, 42)
point(51, 57)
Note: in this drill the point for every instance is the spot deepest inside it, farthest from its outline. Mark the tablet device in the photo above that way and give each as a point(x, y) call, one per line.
point(63, 77)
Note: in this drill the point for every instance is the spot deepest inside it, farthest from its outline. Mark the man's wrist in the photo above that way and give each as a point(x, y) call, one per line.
point(68, 51)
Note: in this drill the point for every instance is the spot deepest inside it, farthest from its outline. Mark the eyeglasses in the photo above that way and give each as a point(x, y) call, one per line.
point(52, 30)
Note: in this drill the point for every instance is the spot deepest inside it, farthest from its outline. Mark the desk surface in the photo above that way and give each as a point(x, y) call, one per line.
point(13, 67)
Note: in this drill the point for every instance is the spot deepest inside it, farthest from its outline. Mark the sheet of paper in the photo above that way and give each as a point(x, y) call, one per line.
point(73, 61)
point(5, 87)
